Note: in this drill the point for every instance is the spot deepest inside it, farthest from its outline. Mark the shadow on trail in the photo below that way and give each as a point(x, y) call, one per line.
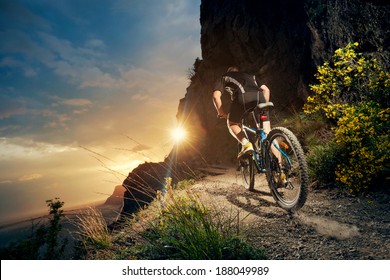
point(257, 202)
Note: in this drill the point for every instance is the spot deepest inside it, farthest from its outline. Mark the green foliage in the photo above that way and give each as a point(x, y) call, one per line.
point(310, 131)
point(322, 159)
point(54, 250)
point(354, 93)
point(44, 241)
point(183, 184)
point(186, 229)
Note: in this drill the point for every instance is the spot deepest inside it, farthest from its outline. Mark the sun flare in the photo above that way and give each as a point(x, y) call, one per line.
point(179, 134)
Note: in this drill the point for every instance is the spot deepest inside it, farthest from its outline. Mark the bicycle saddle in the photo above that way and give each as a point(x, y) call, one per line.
point(265, 105)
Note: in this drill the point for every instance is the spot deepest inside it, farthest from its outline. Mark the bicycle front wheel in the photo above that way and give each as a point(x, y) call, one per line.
point(286, 169)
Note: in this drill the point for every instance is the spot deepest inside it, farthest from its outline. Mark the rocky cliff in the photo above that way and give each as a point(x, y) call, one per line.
point(282, 42)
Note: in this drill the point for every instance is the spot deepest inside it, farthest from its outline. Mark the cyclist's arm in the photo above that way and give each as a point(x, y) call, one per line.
point(218, 103)
point(266, 92)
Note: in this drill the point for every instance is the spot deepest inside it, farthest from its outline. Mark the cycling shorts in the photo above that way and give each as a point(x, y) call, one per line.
point(245, 102)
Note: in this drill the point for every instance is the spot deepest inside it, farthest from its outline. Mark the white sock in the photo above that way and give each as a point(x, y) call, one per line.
point(244, 141)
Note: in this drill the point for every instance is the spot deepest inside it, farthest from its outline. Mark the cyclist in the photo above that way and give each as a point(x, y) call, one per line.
point(245, 93)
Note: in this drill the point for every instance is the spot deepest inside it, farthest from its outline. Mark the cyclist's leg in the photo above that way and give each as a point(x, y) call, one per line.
point(234, 122)
point(275, 151)
point(265, 97)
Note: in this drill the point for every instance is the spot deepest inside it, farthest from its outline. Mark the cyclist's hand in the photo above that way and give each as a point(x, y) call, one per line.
point(222, 116)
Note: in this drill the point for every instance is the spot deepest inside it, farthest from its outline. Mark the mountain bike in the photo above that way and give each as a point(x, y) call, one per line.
point(279, 155)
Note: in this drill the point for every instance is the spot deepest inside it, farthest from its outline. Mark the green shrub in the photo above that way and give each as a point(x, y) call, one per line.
point(353, 92)
point(310, 131)
point(323, 161)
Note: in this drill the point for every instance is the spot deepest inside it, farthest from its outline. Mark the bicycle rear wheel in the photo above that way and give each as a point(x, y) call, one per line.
point(247, 169)
point(286, 169)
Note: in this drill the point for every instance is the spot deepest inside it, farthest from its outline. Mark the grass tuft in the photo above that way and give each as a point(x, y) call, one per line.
point(182, 227)
point(92, 229)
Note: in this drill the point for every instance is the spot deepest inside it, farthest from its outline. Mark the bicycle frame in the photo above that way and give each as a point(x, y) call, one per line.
point(259, 133)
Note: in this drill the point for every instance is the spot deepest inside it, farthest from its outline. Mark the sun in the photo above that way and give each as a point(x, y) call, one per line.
point(179, 134)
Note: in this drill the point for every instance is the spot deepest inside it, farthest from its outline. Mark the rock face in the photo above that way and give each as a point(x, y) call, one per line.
point(282, 42)
point(142, 184)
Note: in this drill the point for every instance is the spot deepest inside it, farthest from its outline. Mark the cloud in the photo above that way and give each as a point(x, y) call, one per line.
point(22, 42)
point(30, 177)
point(11, 111)
point(12, 63)
point(140, 148)
point(95, 44)
point(77, 102)
point(139, 97)
point(12, 10)
point(18, 147)
point(59, 121)
point(95, 78)
point(6, 182)
point(11, 107)
point(66, 59)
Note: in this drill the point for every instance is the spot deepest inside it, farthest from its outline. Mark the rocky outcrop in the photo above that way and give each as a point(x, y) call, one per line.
point(116, 198)
point(143, 183)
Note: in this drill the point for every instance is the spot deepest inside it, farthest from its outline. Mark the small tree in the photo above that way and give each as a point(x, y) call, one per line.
point(43, 242)
point(54, 249)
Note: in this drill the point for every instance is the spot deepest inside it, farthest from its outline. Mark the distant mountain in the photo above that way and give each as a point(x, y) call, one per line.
point(116, 197)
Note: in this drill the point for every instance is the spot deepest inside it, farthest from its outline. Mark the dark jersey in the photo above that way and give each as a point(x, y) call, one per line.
point(237, 84)
point(244, 91)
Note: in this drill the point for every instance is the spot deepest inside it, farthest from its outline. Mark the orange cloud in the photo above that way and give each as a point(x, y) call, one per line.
point(30, 177)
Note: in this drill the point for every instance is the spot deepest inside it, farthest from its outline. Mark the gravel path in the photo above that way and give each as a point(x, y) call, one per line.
point(332, 225)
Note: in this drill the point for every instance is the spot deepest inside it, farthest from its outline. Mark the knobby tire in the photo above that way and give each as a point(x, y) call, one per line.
point(297, 171)
point(247, 168)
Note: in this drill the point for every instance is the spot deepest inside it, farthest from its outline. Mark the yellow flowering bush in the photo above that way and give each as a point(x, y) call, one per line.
point(363, 131)
point(354, 92)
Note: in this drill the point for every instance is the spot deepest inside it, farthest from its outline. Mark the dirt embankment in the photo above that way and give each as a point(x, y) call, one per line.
point(332, 225)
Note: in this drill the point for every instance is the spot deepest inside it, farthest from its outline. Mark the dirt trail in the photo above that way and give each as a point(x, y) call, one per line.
point(331, 225)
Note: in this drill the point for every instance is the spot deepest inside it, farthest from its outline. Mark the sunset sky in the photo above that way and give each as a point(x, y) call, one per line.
point(85, 87)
